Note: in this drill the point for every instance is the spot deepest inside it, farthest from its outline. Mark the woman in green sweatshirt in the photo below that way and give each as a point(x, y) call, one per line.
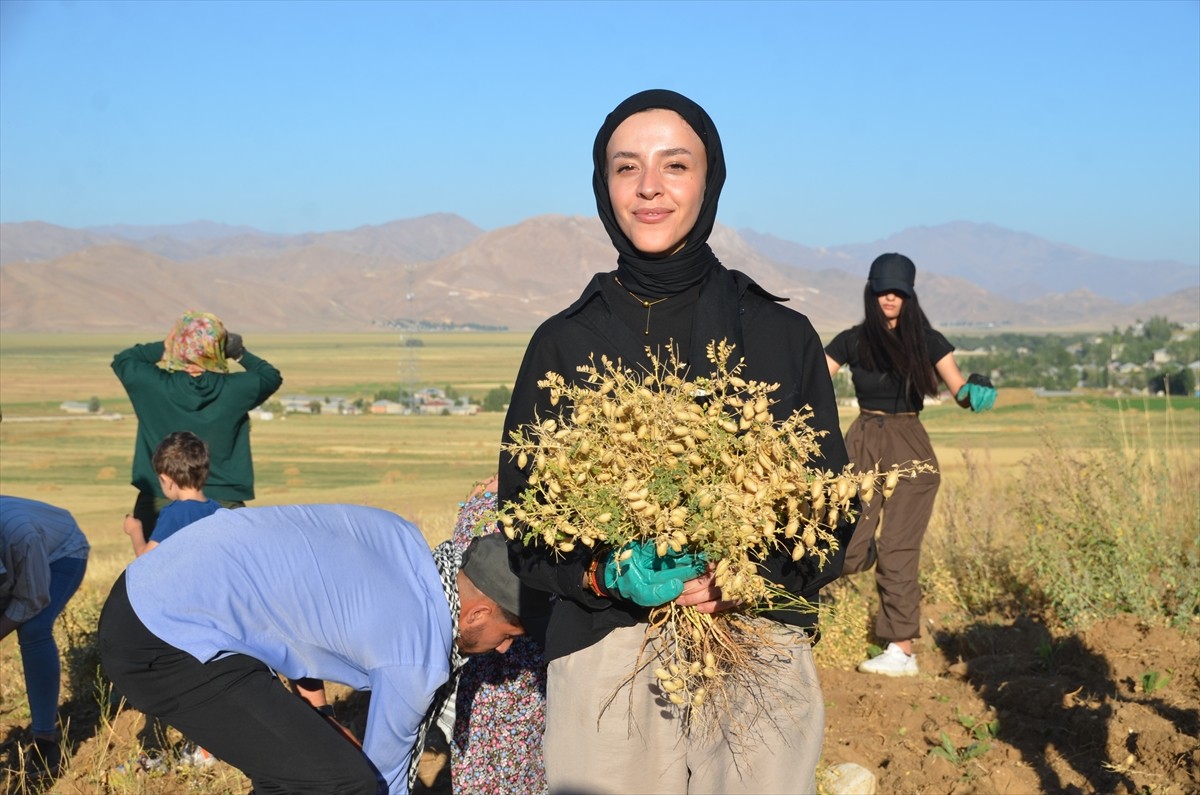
point(183, 384)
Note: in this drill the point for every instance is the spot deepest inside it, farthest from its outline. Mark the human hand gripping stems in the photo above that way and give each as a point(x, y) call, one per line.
point(978, 394)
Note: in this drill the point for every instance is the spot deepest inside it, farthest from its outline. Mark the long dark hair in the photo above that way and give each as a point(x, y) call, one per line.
point(901, 351)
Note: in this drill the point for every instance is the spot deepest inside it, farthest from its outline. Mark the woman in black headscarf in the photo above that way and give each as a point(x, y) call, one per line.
point(659, 169)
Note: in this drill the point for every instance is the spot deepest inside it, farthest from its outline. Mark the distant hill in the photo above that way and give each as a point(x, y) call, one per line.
point(443, 269)
point(35, 241)
point(411, 240)
point(1015, 265)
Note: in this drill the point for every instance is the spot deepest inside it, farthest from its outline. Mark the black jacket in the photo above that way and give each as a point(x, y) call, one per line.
point(779, 346)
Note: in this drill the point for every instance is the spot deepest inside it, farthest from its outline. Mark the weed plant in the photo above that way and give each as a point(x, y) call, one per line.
point(1112, 530)
point(1085, 530)
point(100, 739)
point(958, 756)
point(845, 620)
point(970, 559)
point(1154, 681)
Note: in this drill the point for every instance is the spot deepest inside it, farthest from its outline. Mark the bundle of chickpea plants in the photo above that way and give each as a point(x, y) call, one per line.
point(693, 465)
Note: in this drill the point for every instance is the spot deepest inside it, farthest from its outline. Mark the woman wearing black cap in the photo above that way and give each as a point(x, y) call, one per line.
point(896, 358)
point(658, 172)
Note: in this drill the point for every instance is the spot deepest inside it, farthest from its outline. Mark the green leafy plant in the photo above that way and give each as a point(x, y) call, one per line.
point(981, 730)
point(1045, 652)
point(1153, 681)
point(959, 756)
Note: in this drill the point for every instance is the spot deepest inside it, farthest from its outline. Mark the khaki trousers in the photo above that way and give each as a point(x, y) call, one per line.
point(876, 440)
point(637, 744)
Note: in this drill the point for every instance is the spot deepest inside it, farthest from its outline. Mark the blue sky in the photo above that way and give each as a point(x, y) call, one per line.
point(844, 122)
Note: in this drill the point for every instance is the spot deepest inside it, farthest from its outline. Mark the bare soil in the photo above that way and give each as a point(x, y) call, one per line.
point(1024, 710)
point(1073, 713)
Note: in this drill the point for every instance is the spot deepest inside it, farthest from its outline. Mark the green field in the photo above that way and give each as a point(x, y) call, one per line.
point(419, 467)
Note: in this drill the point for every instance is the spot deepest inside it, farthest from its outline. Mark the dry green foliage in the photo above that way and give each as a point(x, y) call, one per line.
point(694, 465)
point(969, 557)
point(1114, 531)
point(1084, 533)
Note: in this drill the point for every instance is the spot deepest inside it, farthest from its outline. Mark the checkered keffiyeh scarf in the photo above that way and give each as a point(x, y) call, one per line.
point(448, 558)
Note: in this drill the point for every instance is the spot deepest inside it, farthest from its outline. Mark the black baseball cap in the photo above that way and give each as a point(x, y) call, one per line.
point(892, 273)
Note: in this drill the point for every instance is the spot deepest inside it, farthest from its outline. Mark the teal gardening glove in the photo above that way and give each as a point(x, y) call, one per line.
point(647, 579)
point(978, 393)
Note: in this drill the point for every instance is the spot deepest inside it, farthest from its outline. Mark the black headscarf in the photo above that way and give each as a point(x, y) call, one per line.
point(655, 277)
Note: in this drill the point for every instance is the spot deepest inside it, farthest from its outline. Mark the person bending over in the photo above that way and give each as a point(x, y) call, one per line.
point(43, 557)
point(195, 632)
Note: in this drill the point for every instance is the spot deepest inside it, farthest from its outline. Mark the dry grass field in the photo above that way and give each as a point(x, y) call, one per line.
point(1003, 646)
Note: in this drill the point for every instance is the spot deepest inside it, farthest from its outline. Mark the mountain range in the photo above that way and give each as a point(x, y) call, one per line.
point(442, 269)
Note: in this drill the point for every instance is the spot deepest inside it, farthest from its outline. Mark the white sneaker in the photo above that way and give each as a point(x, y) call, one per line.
point(892, 662)
point(193, 755)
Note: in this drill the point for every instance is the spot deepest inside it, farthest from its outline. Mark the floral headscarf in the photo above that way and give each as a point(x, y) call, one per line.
point(195, 344)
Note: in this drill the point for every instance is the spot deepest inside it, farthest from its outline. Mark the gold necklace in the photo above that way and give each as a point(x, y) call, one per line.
point(641, 301)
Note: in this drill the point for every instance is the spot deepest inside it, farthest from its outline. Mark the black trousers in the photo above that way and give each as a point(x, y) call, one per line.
point(234, 707)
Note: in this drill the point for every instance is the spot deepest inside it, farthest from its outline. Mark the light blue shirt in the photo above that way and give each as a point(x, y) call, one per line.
point(32, 536)
point(338, 592)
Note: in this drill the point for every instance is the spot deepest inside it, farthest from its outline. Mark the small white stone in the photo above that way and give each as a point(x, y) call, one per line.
point(849, 779)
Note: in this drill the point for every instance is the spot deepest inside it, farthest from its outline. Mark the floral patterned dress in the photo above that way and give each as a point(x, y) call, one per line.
point(500, 707)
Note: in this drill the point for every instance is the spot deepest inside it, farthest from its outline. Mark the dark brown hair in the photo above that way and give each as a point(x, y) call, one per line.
point(902, 351)
point(183, 457)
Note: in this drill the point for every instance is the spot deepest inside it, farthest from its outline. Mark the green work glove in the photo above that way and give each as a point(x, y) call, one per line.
point(647, 579)
point(978, 393)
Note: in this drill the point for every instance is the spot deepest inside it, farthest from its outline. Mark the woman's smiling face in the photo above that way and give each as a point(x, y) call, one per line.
point(656, 171)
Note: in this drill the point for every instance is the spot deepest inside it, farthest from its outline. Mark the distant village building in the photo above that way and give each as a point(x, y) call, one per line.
point(429, 393)
point(1124, 368)
point(74, 407)
point(433, 401)
point(303, 404)
point(444, 406)
point(388, 407)
point(435, 406)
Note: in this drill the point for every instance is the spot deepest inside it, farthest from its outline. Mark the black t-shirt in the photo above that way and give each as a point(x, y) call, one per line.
point(882, 391)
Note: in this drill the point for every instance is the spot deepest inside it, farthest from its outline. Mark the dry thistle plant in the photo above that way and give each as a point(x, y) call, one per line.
point(695, 465)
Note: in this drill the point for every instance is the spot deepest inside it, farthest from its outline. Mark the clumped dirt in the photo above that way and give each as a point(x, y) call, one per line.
point(1046, 713)
point(1073, 713)
point(1023, 710)
point(1113, 709)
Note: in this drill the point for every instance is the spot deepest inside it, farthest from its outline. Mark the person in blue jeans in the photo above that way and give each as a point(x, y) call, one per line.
point(43, 557)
